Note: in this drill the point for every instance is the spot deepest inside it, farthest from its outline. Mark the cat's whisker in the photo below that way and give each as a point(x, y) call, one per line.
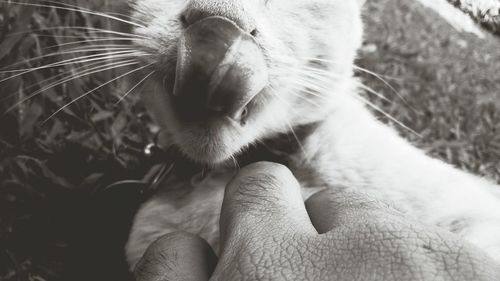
point(134, 87)
point(307, 157)
point(130, 40)
point(311, 93)
point(95, 89)
point(289, 58)
point(294, 89)
point(131, 18)
point(299, 143)
point(323, 76)
point(88, 37)
point(306, 86)
point(310, 84)
point(317, 83)
point(63, 52)
point(310, 81)
point(329, 61)
point(110, 13)
point(317, 77)
point(372, 73)
point(75, 76)
point(373, 106)
point(310, 71)
point(379, 77)
point(93, 32)
point(83, 28)
point(88, 70)
point(373, 92)
point(69, 52)
point(385, 82)
point(370, 104)
point(235, 162)
point(57, 76)
point(98, 47)
point(273, 91)
point(110, 57)
point(79, 60)
point(79, 9)
point(296, 92)
point(300, 93)
point(390, 117)
point(103, 48)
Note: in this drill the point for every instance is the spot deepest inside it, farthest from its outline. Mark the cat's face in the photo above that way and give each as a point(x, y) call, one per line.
point(232, 72)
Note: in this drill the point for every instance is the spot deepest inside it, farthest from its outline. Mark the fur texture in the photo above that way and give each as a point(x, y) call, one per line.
point(309, 47)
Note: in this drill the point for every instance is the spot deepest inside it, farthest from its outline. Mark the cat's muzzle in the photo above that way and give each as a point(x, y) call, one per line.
point(220, 70)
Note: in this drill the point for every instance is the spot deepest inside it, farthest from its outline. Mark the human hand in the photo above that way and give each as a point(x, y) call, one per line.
point(268, 233)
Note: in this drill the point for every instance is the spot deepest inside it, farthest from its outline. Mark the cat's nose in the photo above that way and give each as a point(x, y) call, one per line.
point(197, 10)
point(220, 69)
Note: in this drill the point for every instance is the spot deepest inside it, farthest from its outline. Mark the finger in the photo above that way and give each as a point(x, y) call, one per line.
point(263, 198)
point(177, 256)
point(329, 208)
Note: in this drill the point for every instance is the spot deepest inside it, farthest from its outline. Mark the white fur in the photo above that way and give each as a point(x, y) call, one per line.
point(351, 149)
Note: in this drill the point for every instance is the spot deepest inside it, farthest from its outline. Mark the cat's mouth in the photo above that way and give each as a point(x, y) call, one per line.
point(220, 70)
point(220, 74)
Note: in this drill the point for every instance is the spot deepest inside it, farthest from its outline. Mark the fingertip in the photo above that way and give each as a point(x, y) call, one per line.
point(261, 187)
point(277, 172)
point(263, 196)
point(177, 256)
point(263, 179)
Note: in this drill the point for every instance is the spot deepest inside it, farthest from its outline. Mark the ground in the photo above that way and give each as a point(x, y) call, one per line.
point(444, 86)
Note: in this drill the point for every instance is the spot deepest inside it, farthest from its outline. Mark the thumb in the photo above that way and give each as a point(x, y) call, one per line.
point(263, 198)
point(177, 256)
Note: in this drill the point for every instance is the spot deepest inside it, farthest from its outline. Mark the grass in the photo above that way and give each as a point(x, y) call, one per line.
point(49, 170)
point(87, 146)
point(448, 80)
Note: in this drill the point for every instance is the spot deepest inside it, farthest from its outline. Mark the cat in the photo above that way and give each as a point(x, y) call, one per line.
point(234, 74)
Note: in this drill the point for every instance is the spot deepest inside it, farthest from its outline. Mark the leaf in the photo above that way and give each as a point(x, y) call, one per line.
point(30, 119)
point(102, 115)
point(22, 21)
point(26, 169)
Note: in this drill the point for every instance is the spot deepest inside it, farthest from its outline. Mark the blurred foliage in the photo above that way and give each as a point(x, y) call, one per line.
point(448, 82)
point(90, 144)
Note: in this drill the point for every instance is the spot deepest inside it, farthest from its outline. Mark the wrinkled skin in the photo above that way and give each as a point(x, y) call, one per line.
point(267, 233)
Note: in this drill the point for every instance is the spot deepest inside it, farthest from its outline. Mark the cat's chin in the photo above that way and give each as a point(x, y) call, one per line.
point(210, 159)
point(211, 144)
point(208, 154)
